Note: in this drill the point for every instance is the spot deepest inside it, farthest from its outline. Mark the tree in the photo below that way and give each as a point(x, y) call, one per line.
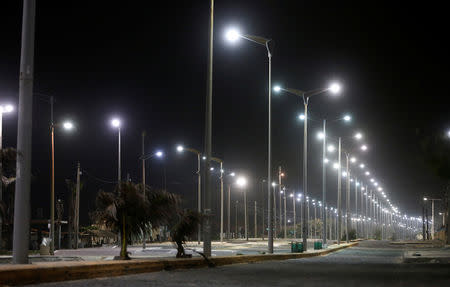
point(186, 225)
point(8, 178)
point(127, 211)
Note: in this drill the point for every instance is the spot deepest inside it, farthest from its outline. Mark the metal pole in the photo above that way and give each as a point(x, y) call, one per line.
point(77, 206)
point(324, 190)
point(347, 208)
point(295, 217)
point(245, 214)
point(228, 212)
point(256, 226)
point(236, 219)
point(143, 182)
point(285, 226)
point(305, 173)
point(339, 215)
point(279, 193)
point(356, 205)
point(269, 158)
point(262, 210)
point(52, 185)
point(221, 202)
point(1, 183)
point(199, 195)
point(21, 231)
point(208, 143)
point(432, 219)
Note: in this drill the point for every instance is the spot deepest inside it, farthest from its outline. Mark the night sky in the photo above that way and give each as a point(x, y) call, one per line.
point(147, 65)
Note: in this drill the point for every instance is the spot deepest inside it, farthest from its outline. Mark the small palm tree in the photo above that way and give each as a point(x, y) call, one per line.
point(185, 226)
point(127, 211)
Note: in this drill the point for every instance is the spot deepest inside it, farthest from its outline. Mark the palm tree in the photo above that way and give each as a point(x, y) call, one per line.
point(128, 212)
point(185, 226)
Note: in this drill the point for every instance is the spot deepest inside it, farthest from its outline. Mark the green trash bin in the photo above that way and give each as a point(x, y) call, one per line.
point(294, 247)
point(299, 247)
point(317, 245)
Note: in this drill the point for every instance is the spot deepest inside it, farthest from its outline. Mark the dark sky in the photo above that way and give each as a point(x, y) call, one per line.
point(147, 65)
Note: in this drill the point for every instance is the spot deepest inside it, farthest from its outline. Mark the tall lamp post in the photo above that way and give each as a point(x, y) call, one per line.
point(242, 183)
point(116, 124)
point(67, 126)
point(145, 157)
point(233, 35)
point(180, 149)
point(3, 110)
point(334, 88)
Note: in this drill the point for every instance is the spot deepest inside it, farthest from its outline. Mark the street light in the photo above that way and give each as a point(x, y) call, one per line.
point(180, 149)
point(334, 88)
point(66, 126)
point(116, 123)
point(234, 35)
point(241, 182)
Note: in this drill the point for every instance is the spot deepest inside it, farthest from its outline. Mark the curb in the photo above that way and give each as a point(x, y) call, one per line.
point(64, 271)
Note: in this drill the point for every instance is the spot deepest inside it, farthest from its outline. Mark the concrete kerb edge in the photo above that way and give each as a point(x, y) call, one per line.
point(54, 272)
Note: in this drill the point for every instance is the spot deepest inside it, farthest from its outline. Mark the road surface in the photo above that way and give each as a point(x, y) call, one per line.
point(372, 263)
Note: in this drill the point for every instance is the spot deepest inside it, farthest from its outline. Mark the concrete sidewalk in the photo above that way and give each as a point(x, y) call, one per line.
point(435, 255)
point(166, 250)
point(62, 271)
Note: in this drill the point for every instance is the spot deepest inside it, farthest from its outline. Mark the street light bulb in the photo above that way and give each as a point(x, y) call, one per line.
point(180, 148)
point(358, 136)
point(331, 148)
point(232, 35)
point(7, 109)
point(159, 153)
point(291, 195)
point(367, 173)
point(277, 88)
point(212, 168)
point(241, 181)
point(301, 117)
point(347, 118)
point(274, 184)
point(335, 165)
point(335, 88)
point(115, 123)
point(232, 174)
point(326, 160)
point(364, 147)
point(353, 159)
point(67, 126)
point(362, 166)
point(344, 174)
point(320, 135)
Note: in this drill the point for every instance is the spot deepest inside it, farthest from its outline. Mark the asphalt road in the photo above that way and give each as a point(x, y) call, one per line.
point(370, 264)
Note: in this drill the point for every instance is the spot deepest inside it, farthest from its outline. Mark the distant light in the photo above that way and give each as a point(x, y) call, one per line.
point(331, 148)
point(282, 174)
point(372, 180)
point(232, 35)
point(325, 161)
point(241, 181)
point(180, 148)
point(335, 88)
point(362, 166)
point(115, 123)
point(347, 118)
point(353, 159)
point(68, 126)
point(364, 147)
point(425, 199)
point(203, 157)
point(344, 174)
point(212, 168)
point(159, 153)
point(291, 195)
point(221, 170)
point(6, 109)
point(367, 173)
point(277, 88)
point(232, 174)
point(448, 134)
point(320, 135)
point(298, 199)
point(335, 165)
point(274, 184)
point(301, 117)
point(358, 136)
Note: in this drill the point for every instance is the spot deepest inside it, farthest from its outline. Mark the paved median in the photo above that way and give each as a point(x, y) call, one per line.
point(63, 271)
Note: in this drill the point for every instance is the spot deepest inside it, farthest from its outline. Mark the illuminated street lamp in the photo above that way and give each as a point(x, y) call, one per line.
point(115, 123)
point(181, 149)
point(334, 88)
point(67, 126)
point(241, 182)
point(233, 35)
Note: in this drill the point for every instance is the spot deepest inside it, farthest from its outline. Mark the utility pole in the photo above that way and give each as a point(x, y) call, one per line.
point(77, 206)
point(228, 212)
point(279, 193)
point(208, 141)
point(256, 226)
point(339, 215)
point(285, 226)
point(143, 181)
point(236, 219)
point(21, 233)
